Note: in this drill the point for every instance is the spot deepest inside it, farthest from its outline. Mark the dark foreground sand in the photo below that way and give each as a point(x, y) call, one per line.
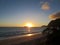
point(26, 40)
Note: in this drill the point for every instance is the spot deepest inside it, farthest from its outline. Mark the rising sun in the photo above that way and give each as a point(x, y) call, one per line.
point(29, 25)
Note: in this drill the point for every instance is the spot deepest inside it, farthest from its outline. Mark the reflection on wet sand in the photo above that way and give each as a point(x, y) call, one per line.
point(24, 39)
point(29, 34)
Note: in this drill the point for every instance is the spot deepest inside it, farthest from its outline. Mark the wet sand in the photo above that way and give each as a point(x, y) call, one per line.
point(29, 39)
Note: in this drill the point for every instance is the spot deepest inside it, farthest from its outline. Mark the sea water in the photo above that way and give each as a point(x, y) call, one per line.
point(6, 32)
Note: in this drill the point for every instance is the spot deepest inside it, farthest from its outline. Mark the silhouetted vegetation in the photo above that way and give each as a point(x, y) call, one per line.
point(52, 33)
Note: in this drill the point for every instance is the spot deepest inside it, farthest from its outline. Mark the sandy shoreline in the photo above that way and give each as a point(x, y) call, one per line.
point(18, 40)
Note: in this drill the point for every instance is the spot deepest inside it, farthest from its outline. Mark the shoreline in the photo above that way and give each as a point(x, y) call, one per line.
point(19, 36)
point(19, 40)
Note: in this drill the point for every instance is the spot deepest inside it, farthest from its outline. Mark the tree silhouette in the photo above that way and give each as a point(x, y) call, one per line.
point(53, 33)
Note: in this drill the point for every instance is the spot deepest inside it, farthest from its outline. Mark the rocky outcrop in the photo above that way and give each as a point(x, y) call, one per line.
point(52, 33)
point(54, 23)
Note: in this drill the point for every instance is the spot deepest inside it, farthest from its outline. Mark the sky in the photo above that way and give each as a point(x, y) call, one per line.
point(16, 13)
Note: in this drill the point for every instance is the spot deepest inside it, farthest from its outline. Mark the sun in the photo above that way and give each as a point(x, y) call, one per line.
point(29, 25)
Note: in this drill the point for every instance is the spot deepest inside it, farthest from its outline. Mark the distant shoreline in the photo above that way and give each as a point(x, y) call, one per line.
point(19, 27)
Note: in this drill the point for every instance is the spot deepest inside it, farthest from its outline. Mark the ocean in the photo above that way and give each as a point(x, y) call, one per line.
point(6, 32)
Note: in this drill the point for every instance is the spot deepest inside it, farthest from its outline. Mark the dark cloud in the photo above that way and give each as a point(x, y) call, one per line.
point(55, 16)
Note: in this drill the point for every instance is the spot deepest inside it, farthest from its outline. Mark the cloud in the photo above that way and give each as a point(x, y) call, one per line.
point(54, 16)
point(45, 6)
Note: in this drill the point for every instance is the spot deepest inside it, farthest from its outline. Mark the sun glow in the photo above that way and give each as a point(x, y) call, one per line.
point(29, 25)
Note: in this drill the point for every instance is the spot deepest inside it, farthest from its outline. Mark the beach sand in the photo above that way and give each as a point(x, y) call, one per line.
point(29, 39)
